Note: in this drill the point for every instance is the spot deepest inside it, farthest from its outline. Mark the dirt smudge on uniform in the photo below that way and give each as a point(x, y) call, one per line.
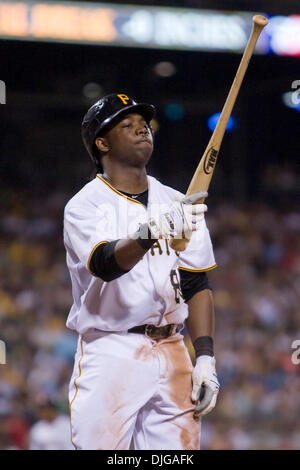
point(190, 440)
point(179, 369)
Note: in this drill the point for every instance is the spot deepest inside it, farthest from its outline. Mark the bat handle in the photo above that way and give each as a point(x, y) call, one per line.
point(179, 244)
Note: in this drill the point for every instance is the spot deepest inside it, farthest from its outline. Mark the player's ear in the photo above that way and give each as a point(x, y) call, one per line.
point(102, 144)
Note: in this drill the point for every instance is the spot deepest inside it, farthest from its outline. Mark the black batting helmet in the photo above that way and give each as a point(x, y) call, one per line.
point(104, 112)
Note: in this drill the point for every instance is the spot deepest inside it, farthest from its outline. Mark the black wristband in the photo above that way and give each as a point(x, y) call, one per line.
point(204, 345)
point(144, 238)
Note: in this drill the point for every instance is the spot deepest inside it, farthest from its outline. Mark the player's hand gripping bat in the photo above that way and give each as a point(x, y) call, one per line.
point(205, 169)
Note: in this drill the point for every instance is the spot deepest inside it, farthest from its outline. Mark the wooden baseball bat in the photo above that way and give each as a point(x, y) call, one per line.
point(205, 169)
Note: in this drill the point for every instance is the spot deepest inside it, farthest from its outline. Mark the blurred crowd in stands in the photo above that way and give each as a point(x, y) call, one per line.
point(257, 301)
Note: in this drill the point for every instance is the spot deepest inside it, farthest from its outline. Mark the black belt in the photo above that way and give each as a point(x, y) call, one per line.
point(156, 332)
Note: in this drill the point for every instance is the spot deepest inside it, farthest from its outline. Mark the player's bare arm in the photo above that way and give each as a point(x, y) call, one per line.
point(200, 325)
point(128, 253)
point(201, 319)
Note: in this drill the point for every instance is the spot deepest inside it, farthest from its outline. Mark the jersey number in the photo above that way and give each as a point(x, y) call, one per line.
point(176, 285)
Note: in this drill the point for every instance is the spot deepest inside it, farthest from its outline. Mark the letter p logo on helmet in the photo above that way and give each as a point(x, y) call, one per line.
point(124, 98)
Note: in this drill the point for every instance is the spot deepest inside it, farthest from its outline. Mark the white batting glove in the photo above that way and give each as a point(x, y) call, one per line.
point(205, 385)
point(183, 217)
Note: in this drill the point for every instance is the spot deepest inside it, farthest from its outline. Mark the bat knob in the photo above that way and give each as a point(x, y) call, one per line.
point(260, 20)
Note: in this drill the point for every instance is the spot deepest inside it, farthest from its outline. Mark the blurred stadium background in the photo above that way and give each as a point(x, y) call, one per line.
point(53, 71)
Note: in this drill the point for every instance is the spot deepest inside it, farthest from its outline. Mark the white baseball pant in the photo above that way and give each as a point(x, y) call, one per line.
point(124, 386)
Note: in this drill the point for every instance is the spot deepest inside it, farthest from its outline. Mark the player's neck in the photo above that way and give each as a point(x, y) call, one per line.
point(129, 180)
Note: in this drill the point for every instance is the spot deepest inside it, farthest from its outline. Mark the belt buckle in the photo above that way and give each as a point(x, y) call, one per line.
point(148, 329)
point(172, 330)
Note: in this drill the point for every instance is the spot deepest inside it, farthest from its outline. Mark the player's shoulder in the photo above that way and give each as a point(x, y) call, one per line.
point(87, 196)
point(163, 188)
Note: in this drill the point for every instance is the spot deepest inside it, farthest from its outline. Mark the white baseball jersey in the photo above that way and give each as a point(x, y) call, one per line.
point(150, 291)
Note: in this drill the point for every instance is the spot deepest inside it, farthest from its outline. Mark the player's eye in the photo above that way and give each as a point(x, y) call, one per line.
point(127, 124)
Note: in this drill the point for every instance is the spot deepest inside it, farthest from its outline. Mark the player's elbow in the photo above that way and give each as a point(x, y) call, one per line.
point(103, 263)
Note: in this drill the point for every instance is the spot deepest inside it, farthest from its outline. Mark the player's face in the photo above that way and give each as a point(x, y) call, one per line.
point(130, 140)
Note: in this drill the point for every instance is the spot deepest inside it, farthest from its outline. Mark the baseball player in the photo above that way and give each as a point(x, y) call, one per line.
point(133, 378)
